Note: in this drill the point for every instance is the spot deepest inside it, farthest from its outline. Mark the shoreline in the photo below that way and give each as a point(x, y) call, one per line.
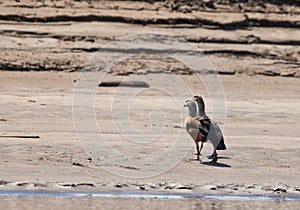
point(148, 195)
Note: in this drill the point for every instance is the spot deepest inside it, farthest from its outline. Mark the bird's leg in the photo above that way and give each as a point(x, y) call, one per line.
point(201, 147)
point(212, 155)
point(215, 156)
point(198, 150)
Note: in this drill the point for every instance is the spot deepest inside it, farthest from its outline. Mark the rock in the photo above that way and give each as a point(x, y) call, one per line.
point(185, 9)
point(252, 39)
point(297, 74)
point(31, 101)
point(209, 4)
point(22, 184)
point(156, 71)
point(269, 73)
point(267, 188)
point(77, 164)
point(213, 188)
point(86, 184)
point(68, 185)
point(39, 185)
point(227, 72)
point(184, 187)
point(2, 182)
point(162, 184)
point(288, 74)
point(170, 186)
point(119, 185)
point(141, 72)
point(279, 189)
point(250, 186)
point(142, 187)
point(124, 84)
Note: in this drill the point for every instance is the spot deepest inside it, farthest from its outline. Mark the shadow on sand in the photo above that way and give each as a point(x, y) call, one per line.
point(222, 165)
point(211, 157)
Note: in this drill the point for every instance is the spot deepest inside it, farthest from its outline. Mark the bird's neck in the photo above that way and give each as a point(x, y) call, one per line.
point(200, 110)
point(201, 113)
point(196, 113)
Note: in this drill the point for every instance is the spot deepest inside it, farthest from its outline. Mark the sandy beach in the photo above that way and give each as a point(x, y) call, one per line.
point(261, 134)
point(253, 48)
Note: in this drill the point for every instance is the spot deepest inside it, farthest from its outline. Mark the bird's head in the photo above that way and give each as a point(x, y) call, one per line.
point(200, 102)
point(192, 107)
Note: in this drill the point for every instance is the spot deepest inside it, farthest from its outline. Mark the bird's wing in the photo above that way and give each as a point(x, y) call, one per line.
point(215, 134)
point(194, 122)
point(217, 129)
point(192, 127)
point(199, 127)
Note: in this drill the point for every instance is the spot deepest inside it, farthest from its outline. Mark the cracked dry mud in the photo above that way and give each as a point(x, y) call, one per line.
point(237, 37)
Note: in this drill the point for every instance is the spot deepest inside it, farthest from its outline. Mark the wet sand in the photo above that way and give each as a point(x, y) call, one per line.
point(125, 201)
point(111, 202)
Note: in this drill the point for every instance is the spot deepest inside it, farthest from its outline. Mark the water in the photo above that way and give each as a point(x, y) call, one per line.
point(46, 200)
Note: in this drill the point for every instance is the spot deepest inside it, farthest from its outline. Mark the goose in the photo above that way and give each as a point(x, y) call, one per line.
point(201, 128)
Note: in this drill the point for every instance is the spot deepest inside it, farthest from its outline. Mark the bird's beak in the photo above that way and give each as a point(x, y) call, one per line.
point(184, 105)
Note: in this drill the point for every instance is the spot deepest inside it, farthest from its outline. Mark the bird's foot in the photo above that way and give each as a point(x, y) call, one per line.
point(214, 160)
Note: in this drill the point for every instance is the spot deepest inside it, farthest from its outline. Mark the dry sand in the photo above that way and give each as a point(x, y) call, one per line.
point(255, 49)
point(261, 133)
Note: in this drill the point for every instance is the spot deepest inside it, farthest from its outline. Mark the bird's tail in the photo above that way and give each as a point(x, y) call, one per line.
point(221, 145)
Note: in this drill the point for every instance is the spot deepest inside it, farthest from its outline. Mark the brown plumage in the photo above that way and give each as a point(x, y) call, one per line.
point(201, 128)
